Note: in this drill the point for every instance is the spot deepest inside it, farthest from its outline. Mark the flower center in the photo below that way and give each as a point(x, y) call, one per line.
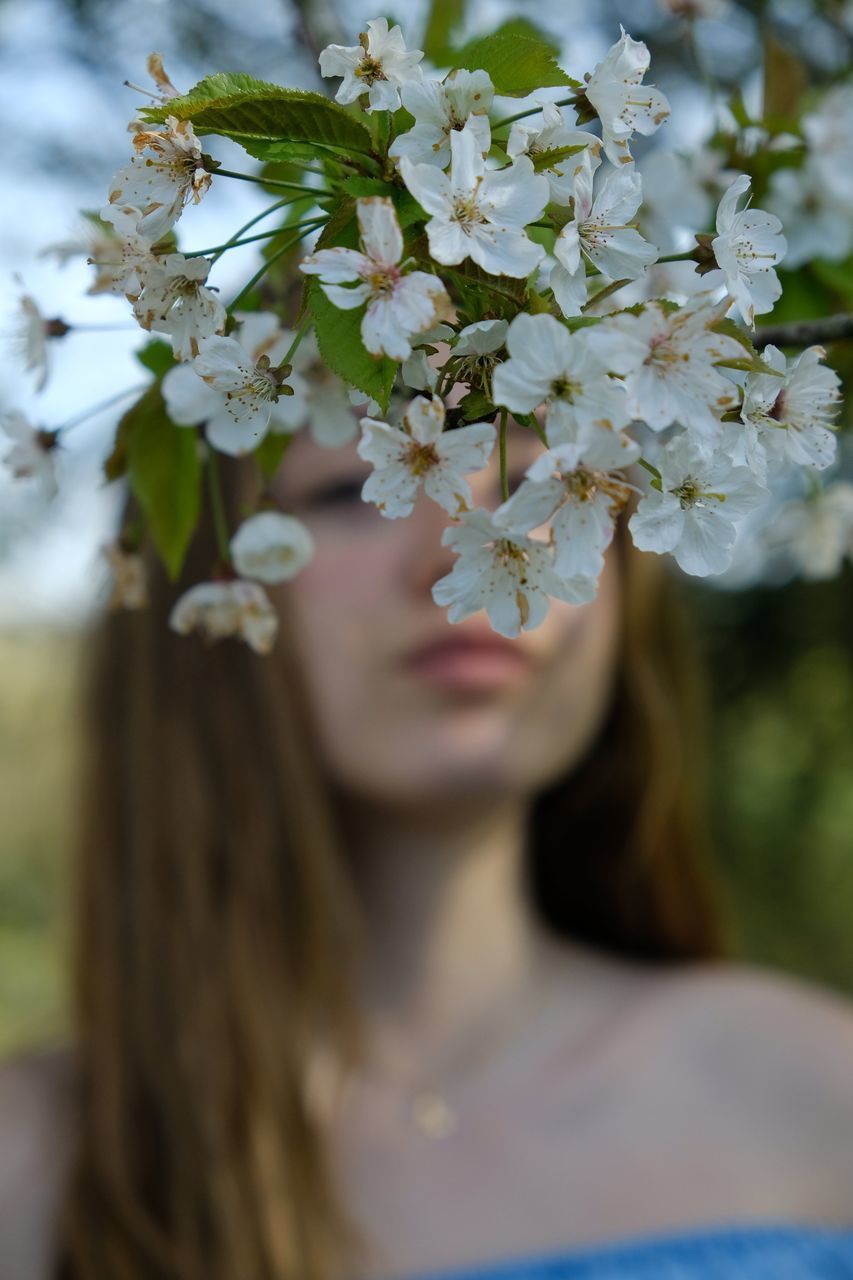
point(467, 212)
point(562, 388)
point(370, 69)
point(383, 281)
point(419, 458)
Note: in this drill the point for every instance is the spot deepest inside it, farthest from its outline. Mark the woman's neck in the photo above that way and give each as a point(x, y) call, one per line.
point(451, 937)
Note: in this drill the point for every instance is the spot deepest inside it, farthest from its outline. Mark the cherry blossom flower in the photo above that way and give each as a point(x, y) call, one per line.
point(600, 233)
point(829, 134)
point(550, 366)
point(478, 213)
point(788, 417)
point(380, 65)
point(422, 452)
point(623, 103)
point(439, 107)
point(668, 357)
point(159, 184)
point(31, 338)
point(129, 586)
point(110, 244)
point(555, 134)
point(746, 246)
point(271, 547)
point(235, 397)
point(32, 453)
point(816, 532)
point(696, 512)
point(231, 608)
point(504, 572)
point(399, 304)
point(579, 488)
point(174, 300)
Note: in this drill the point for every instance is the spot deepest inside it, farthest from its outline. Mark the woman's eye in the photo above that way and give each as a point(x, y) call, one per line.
point(339, 493)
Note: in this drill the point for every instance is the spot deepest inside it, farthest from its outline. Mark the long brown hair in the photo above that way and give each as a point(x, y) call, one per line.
point(216, 927)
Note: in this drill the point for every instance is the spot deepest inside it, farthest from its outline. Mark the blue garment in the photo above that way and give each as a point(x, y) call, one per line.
point(741, 1252)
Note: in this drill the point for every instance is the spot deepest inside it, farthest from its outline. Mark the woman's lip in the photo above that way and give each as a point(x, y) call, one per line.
point(470, 664)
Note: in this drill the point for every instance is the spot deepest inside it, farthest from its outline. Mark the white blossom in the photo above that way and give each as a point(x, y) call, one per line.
point(379, 65)
point(160, 183)
point(231, 608)
point(580, 489)
point(747, 245)
point(174, 300)
point(235, 399)
point(680, 193)
point(696, 512)
point(829, 135)
point(479, 213)
point(111, 244)
point(422, 452)
point(552, 135)
point(508, 574)
point(439, 108)
point(668, 358)
point(32, 453)
point(550, 366)
point(600, 232)
point(31, 338)
point(129, 581)
point(816, 532)
point(788, 417)
point(624, 104)
point(271, 547)
point(399, 304)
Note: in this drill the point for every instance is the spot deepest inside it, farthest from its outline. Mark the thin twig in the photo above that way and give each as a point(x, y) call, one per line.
point(802, 333)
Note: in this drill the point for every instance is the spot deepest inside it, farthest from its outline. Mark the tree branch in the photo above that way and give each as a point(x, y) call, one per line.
point(802, 333)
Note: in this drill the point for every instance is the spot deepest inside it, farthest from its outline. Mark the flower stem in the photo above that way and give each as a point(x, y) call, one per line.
point(689, 255)
point(104, 404)
point(247, 226)
point(217, 506)
point(502, 453)
point(300, 334)
point(657, 482)
point(531, 111)
point(288, 244)
point(219, 249)
point(273, 182)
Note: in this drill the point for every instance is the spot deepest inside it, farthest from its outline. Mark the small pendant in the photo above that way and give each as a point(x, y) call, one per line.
point(432, 1115)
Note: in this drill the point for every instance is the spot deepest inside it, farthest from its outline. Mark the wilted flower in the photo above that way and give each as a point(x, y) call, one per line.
point(174, 300)
point(422, 452)
point(478, 213)
point(439, 107)
point(271, 547)
point(399, 304)
point(379, 65)
point(231, 608)
point(159, 184)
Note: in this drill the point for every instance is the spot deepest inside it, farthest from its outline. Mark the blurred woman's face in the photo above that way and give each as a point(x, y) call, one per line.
point(409, 706)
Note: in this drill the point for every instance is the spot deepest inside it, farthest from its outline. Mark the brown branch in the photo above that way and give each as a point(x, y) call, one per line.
point(802, 333)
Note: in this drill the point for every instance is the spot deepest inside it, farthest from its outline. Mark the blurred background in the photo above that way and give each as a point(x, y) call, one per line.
point(777, 648)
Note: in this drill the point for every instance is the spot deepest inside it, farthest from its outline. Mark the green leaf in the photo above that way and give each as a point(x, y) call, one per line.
point(271, 450)
point(444, 17)
point(516, 64)
point(475, 406)
point(338, 336)
point(552, 156)
point(165, 475)
point(156, 356)
point(408, 210)
point(751, 362)
point(240, 107)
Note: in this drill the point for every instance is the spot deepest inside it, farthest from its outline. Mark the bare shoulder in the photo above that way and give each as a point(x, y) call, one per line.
point(777, 1048)
point(36, 1127)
